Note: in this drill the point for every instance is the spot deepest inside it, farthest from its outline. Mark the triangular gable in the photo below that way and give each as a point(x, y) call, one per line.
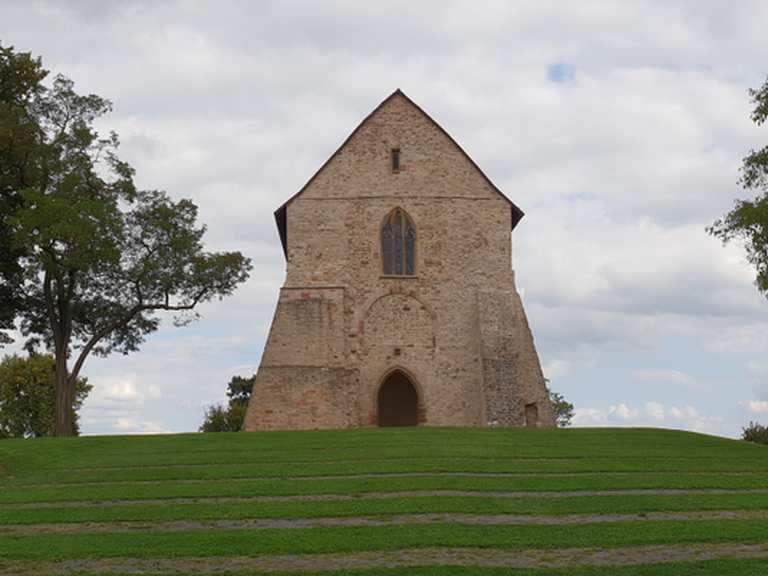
point(280, 213)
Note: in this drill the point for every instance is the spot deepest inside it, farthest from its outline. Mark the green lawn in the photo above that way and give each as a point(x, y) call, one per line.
point(747, 567)
point(230, 477)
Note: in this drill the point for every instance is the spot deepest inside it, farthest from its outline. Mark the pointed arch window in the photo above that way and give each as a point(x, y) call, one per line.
point(398, 244)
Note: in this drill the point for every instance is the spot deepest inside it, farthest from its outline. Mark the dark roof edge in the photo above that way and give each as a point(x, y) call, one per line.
point(280, 215)
point(517, 213)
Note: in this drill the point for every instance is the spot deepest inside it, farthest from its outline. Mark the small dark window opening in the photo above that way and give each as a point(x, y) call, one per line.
point(395, 159)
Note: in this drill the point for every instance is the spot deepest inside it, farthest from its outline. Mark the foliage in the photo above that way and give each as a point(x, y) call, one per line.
point(222, 419)
point(239, 390)
point(748, 221)
point(20, 87)
point(562, 409)
point(100, 258)
point(230, 418)
point(28, 397)
point(755, 433)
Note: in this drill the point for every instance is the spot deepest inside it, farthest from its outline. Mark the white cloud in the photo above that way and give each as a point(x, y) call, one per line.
point(655, 410)
point(755, 406)
point(122, 392)
point(651, 414)
point(663, 376)
point(588, 416)
point(133, 426)
point(621, 412)
point(554, 369)
point(687, 412)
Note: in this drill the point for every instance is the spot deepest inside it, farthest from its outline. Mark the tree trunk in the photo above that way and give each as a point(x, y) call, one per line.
point(64, 396)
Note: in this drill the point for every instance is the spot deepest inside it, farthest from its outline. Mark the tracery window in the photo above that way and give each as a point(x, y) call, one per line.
point(398, 244)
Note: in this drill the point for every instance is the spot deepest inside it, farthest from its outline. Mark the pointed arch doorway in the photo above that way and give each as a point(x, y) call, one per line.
point(397, 402)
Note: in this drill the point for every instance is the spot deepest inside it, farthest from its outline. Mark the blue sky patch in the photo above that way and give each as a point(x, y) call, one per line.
point(561, 72)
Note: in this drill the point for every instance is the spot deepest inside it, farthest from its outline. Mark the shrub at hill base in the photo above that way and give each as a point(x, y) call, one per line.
point(562, 408)
point(28, 397)
point(755, 433)
point(230, 418)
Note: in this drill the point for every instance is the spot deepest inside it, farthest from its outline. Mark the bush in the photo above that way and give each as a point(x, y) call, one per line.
point(562, 409)
point(755, 433)
point(28, 397)
point(219, 418)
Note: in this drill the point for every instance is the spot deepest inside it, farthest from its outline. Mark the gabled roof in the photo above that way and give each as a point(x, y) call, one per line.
point(280, 213)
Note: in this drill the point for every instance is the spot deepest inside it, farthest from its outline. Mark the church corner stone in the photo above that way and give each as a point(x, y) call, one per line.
point(399, 305)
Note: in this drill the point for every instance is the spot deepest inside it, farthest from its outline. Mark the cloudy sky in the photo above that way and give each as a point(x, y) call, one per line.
point(618, 127)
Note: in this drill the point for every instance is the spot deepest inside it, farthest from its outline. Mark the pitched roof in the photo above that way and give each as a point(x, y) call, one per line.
point(280, 214)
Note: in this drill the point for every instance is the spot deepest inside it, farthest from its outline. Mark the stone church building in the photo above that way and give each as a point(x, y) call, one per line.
point(399, 305)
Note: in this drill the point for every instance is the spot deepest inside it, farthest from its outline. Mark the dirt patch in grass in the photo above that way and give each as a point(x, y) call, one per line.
point(468, 557)
point(400, 519)
point(385, 495)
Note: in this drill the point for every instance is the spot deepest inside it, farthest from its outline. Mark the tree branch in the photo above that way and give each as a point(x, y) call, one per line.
point(102, 333)
point(124, 320)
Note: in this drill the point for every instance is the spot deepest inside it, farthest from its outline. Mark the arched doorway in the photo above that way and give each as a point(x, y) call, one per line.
point(397, 402)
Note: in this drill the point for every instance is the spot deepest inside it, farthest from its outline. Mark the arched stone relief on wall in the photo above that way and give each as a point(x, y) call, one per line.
point(398, 321)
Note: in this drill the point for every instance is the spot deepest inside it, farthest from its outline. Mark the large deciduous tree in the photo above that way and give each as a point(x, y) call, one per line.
point(748, 221)
point(99, 258)
point(20, 87)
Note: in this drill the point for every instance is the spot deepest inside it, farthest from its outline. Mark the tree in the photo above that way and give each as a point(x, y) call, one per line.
point(230, 419)
point(755, 433)
point(20, 87)
point(748, 221)
point(100, 259)
point(28, 397)
point(562, 409)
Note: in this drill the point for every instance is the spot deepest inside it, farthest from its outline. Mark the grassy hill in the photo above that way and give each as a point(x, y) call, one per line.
point(386, 501)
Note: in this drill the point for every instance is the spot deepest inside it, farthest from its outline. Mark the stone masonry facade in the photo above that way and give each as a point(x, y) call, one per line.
point(455, 328)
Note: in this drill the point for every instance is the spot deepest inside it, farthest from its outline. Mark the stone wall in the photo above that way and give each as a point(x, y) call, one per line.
point(512, 377)
point(339, 313)
point(303, 397)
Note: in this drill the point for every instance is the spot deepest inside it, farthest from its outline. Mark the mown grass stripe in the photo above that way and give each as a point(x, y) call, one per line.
point(381, 520)
point(336, 470)
point(393, 466)
point(383, 495)
point(414, 504)
point(288, 486)
point(758, 476)
point(379, 538)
